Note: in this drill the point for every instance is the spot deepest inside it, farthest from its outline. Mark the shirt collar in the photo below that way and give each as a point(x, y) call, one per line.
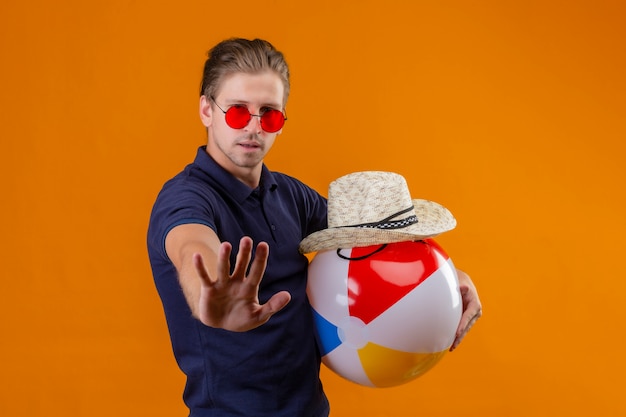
point(228, 182)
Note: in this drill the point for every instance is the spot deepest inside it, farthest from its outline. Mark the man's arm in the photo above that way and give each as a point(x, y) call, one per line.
point(216, 297)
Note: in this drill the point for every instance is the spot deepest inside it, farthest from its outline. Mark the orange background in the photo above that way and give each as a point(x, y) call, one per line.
point(511, 114)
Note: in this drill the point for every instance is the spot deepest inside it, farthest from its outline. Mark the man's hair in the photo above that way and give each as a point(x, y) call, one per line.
point(242, 55)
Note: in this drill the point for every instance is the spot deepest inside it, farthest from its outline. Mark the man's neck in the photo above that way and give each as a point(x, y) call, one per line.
point(251, 176)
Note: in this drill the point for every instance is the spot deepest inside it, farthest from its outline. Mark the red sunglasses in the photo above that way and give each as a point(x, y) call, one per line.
point(238, 117)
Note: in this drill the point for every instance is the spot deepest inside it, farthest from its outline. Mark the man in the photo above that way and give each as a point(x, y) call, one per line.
point(239, 319)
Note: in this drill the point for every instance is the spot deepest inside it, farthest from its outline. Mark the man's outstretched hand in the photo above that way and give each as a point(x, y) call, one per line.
point(231, 301)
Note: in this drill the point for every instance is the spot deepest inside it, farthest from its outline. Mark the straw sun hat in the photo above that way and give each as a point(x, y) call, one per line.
point(374, 208)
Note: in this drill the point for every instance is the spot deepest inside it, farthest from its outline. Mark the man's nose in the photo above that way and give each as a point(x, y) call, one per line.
point(255, 123)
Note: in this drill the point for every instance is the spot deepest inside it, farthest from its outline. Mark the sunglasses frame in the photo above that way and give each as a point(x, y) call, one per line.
point(260, 116)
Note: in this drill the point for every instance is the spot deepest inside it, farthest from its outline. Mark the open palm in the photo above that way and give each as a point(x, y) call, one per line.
point(231, 301)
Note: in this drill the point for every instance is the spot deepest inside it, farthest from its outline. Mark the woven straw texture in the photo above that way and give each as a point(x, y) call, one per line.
point(375, 207)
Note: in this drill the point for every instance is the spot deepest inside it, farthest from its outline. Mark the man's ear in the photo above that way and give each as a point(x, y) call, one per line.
point(206, 111)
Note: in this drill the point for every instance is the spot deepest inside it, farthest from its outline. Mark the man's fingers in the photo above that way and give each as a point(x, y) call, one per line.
point(274, 305)
point(257, 269)
point(469, 317)
point(460, 334)
point(472, 307)
point(223, 261)
point(198, 263)
point(243, 257)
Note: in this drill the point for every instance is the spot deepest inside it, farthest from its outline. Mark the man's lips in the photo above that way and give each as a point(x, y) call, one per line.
point(249, 145)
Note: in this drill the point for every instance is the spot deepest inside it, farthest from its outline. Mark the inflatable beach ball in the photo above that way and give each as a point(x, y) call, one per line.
point(384, 314)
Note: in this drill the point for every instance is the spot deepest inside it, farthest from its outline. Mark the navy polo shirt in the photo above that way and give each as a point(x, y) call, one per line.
point(272, 370)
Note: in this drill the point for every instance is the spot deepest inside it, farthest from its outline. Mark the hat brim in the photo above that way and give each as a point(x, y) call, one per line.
point(433, 219)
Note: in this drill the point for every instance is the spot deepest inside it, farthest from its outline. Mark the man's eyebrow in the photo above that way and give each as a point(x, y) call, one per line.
point(235, 101)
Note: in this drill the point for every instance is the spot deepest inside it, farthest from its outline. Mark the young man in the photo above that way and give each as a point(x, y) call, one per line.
point(218, 289)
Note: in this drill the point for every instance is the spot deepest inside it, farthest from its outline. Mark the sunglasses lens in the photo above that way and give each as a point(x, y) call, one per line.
point(272, 121)
point(237, 117)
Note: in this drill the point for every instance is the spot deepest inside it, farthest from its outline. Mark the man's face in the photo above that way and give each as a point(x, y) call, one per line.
point(241, 151)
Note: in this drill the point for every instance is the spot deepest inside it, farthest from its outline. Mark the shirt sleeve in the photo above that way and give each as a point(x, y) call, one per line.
point(177, 203)
point(315, 210)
